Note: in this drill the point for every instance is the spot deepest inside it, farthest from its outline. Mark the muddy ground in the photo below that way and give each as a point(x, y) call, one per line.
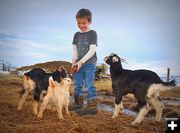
point(12, 121)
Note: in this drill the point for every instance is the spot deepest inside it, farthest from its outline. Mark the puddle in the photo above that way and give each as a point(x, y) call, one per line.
point(129, 112)
point(104, 107)
point(171, 102)
point(110, 109)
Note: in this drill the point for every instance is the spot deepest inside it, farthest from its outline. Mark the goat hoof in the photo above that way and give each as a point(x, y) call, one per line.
point(157, 121)
point(39, 116)
point(61, 118)
point(134, 123)
point(19, 109)
point(35, 113)
point(113, 117)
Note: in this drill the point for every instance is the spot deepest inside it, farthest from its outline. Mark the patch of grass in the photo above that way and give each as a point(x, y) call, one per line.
point(103, 85)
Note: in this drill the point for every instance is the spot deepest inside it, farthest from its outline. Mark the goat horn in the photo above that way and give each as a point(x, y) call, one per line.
point(124, 61)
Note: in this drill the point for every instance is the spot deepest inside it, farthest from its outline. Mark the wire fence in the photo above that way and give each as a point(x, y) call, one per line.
point(5, 66)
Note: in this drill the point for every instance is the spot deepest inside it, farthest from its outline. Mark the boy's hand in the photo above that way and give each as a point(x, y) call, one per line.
point(73, 62)
point(73, 69)
point(76, 67)
point(79, 64)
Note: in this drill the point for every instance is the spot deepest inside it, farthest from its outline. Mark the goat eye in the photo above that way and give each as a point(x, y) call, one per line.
point(115, 59)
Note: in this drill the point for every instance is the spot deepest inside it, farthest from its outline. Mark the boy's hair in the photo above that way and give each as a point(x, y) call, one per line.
point(84, 13)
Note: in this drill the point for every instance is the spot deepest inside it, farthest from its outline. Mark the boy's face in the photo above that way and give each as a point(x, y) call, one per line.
point(83, 24)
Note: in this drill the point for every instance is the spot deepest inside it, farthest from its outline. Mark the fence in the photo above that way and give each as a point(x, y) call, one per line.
point(5, 66)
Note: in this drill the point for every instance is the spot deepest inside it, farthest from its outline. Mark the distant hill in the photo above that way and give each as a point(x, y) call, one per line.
point(49, 66)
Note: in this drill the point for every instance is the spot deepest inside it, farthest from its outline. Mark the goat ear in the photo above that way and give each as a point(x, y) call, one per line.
point(62, 83)
point(124, 61)
point(61, 68)
point(51, 82)
point(27, 77)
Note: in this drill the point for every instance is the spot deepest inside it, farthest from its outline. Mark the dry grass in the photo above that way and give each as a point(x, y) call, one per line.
point(174, 93)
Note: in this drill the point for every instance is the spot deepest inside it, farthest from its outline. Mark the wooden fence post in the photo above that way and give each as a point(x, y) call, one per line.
point(168, 74)
point(4, 68)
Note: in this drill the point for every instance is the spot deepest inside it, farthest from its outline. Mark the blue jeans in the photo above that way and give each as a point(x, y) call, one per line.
point(84, 82)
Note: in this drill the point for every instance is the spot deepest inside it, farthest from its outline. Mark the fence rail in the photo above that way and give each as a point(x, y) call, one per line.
point(5, 66)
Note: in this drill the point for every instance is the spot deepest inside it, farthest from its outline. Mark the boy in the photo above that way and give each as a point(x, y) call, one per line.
point(84, 56)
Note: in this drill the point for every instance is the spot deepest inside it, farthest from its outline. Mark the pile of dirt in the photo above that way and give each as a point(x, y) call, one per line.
point(49, 66)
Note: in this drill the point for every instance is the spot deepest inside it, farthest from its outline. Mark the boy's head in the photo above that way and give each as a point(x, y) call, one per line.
point(84, 19)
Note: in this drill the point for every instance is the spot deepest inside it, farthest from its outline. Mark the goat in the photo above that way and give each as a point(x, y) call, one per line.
point(36, 81)
point(57, 94)
point(144, 84)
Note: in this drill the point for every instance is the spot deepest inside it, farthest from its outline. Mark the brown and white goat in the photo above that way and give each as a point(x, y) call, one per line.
point(57, 94)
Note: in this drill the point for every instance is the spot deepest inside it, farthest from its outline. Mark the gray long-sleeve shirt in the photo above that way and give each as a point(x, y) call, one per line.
point(83, 42)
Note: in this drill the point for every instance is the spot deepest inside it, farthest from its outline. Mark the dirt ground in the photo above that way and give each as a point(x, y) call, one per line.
point(12, 121)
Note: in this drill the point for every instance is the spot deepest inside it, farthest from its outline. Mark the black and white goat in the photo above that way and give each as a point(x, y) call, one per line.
point(37, 81)
point(144, 84)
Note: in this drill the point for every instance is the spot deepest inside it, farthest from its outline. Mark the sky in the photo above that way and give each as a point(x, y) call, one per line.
point(146, 33)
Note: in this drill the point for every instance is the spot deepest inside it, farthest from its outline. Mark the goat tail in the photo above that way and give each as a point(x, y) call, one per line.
point(171, 83)
point(51, 82)
point(154, 89)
